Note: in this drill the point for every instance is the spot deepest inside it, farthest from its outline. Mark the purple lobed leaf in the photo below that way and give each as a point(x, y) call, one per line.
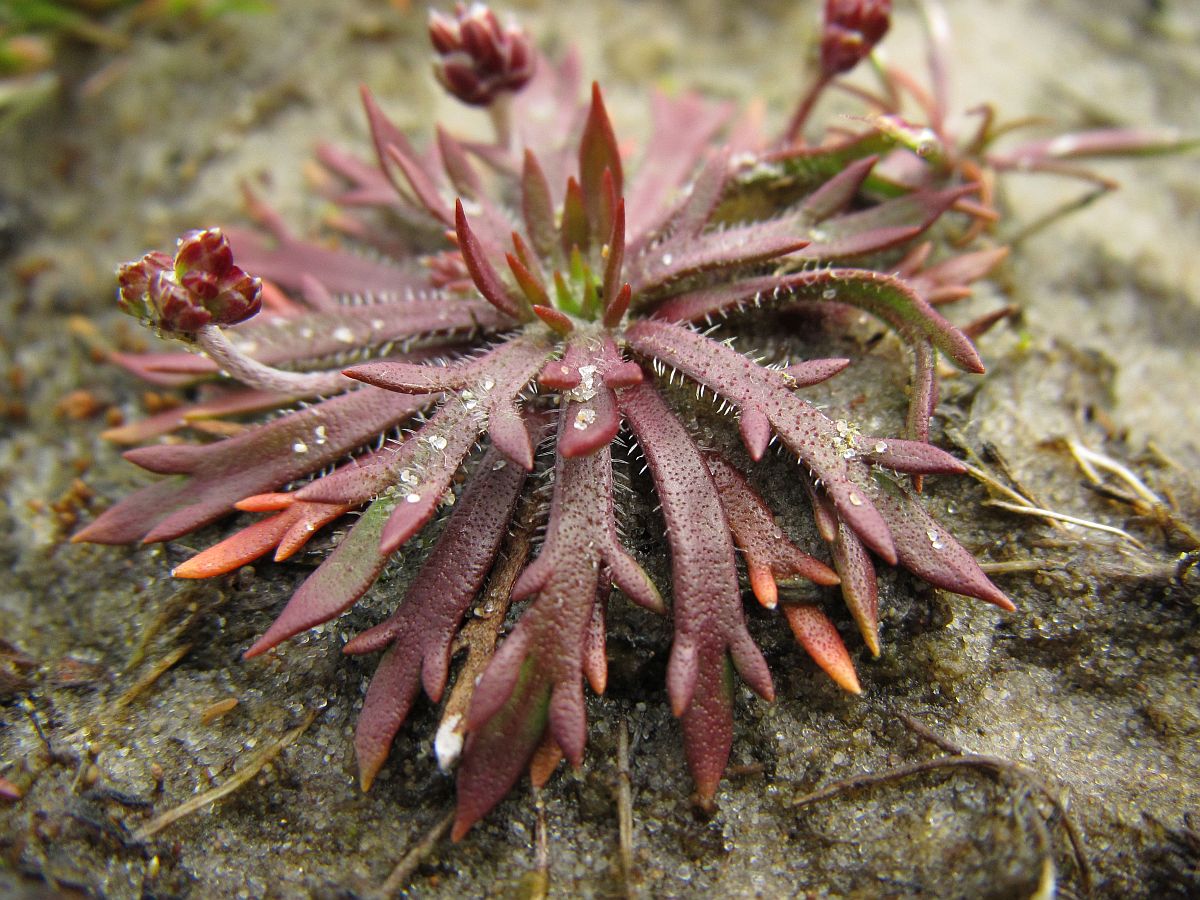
point(885, 297)
point(838, 192)
point(368, 185)
point(537, 204)
point(710, 628)
point(575, 231)
point(954, 274)
point(681, 131)
point(420, 632)
point(531, 284)
point(726, 248)
point(769, 555)
point(481, 397)
point(583, 375)
point(805, 431)
point(218, 475)
point(341, 579)
point(494, 758)
point(814, 371)
point(598, 153)
point(860, 590)
point(165, 369)
point(910, 457)
point(227, 403)
point(612, 283)
point(881, 226)
point(288, 261)
point(482, 273)
point(280, 340)
point(457, 165)
point(925, 548)
point(696, 211)
point(540, 666)
point(924, 397)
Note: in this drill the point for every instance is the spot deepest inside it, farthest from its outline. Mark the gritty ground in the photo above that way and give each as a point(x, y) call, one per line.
point(1090, 686)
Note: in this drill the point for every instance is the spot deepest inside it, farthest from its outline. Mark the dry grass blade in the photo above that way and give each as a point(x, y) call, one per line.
point(235, 781)
point(1089, 460)
point(1144, 501)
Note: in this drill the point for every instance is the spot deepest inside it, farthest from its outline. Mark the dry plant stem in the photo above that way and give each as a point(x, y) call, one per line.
point(31, 711)
point(400, 876)
point(997, 764)
point(1006, 470)
point(1047, 883)
point(1030, 777)
point(481, 632)
point(795, 128)
point(234, 363)
point(961, 758)
point(1058, 213)
point(156, 672)
point(1021, 505)
point(1063, 517)
point(500, 112)
point(1015, 566)
point(625, 807)
point(1143, 500)
point(235, 781)
point(1089, 459)
point(988, 480)
point(539, 883)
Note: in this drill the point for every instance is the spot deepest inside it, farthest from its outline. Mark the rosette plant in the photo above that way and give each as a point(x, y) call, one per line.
point(543, 338)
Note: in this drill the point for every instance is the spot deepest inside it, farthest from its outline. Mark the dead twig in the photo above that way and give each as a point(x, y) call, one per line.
point(541, 879)
point(402, 874)
point(960, 758)
point(1029, 776)
point(235, 781)
point(155, 672)
point(479, 636)
point(625, 807)
point(1015, 566)
point(988, 480)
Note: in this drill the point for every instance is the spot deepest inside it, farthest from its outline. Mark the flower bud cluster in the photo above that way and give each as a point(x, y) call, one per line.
point(201, 286)
point(477, 58)
point(852, 29)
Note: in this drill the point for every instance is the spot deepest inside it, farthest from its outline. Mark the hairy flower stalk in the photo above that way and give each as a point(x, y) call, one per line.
point(481, 63)
point(850, 30)
point(560, 315)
